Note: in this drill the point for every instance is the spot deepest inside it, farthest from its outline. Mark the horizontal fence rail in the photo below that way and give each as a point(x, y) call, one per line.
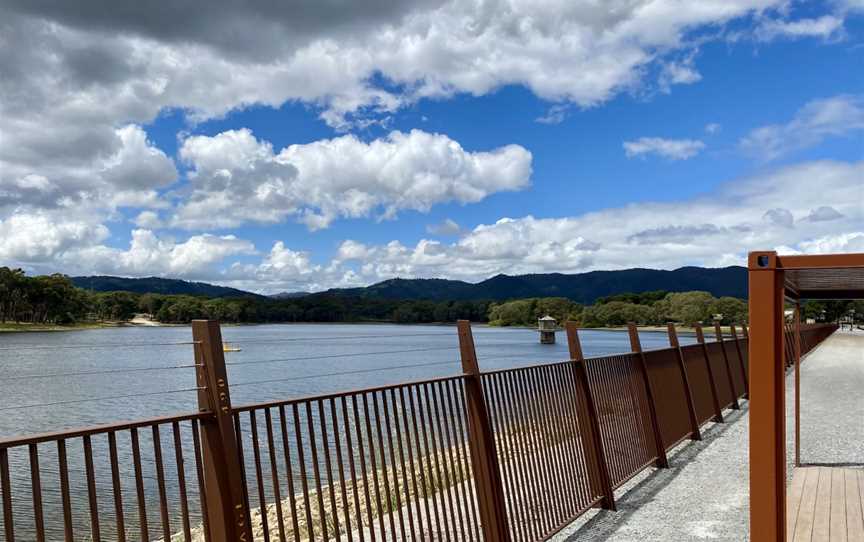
point(513, 454)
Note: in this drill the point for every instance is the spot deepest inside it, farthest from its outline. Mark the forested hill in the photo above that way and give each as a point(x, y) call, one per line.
point(582, 287)
point(156, 285)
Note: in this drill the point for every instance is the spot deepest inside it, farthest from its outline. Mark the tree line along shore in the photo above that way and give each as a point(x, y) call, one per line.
point(53, 302)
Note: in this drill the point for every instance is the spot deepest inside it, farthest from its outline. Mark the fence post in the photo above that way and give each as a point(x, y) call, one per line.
point(719, 335)
point(798, 383)
point(484, 456)
point(226, 504)
point(590, 431)
point(741, 362)
point(636, 347)
point(715, 398)
point(695, 434)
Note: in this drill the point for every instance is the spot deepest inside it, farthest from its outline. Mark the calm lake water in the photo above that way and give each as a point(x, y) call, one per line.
point(305, 358)
point(275, 362)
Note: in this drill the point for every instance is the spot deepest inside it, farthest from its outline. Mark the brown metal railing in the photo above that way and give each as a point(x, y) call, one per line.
point(55, 471)
point(513, 454)
point(360, 465)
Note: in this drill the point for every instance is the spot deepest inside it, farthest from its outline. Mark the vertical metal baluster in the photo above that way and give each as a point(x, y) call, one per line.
point(238, 435)
point(68, 533)
point(334, 511)
point(350, 451)
point(115, 486)
point(8, 524)
point(160, 481)
point(91, 490)
point(289, 471)
point(274, 471)
point(181, 481)
point(36, 486)
point(199, 473)
point(256, 457)
point(139, 485)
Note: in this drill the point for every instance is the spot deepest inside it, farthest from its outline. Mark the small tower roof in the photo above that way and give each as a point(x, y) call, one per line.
point(547, 317)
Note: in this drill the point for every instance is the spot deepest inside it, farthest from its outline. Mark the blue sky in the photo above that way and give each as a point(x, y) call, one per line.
point(380, 144)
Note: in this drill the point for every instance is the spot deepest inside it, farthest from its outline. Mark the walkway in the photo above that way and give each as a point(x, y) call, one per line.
point(705, 495)
point(825, 504)
point(832, 402)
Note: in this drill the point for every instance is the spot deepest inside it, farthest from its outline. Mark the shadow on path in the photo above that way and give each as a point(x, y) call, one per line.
point(605, 523)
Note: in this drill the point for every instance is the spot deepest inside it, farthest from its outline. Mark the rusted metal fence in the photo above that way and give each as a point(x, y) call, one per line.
point(514, 454)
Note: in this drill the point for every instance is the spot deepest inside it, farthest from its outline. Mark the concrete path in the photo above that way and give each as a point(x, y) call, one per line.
point(705, 493)
point(832, 402)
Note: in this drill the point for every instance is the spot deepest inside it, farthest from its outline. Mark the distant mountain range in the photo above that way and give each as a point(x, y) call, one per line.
point(581, 287)
point(290, 295)
point(157, 285)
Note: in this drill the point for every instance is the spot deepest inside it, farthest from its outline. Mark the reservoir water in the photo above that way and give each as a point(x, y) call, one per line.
point(61, 380)
point(275, 362)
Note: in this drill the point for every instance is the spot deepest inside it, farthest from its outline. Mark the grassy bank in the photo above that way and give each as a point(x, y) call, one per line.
point(12, 327)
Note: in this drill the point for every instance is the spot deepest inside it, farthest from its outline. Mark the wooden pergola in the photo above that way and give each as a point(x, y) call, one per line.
point(773, 280)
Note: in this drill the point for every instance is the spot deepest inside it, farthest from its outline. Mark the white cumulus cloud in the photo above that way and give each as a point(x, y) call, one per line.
point(825, 27)
point(73, 73)
point(816, 121)
point(237, 178)
point(148, 254)
point(673, 149)
point(772, 210)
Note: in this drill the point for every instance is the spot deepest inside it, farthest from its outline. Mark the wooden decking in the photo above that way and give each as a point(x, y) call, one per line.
point(825, 504)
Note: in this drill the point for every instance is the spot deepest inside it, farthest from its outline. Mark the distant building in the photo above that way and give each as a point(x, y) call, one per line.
point(547, 327)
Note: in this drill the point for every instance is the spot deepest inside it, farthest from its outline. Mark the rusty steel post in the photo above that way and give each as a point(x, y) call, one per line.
point(740, 361)
point(798, 384)
point(227, 509)
point(767, 400)
point(590, 432)
point(484, 456)
point(695, 433)
point(636, 347)
point(715, 398)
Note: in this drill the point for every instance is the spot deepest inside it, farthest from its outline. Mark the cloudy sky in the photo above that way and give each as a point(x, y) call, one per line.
point(304, 145)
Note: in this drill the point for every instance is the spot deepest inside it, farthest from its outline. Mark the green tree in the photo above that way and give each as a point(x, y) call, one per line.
point(734, 310)
point(685, 307)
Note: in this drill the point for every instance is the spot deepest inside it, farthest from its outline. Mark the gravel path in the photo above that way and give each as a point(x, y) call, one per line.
point(832, 402)
point(705, 493)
